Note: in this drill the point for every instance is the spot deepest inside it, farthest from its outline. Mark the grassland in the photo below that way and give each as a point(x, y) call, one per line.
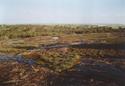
point(17, 38)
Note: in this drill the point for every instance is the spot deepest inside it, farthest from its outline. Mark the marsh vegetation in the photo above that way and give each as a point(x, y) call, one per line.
point(99, 60)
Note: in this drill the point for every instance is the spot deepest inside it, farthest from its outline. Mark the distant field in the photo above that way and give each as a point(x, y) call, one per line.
point(19, 38)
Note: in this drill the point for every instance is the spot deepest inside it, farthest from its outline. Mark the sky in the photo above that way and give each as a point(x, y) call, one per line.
point(62, 11)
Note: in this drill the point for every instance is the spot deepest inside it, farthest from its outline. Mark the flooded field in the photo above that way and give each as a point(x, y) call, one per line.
point(89, 71)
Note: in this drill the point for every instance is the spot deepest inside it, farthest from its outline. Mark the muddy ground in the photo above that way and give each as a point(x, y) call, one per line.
point(89, 72)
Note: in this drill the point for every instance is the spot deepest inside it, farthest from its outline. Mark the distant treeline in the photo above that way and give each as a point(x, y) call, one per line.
point(22, 31)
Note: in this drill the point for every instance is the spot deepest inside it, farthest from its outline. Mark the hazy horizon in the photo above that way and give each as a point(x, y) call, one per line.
point(62, 12)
